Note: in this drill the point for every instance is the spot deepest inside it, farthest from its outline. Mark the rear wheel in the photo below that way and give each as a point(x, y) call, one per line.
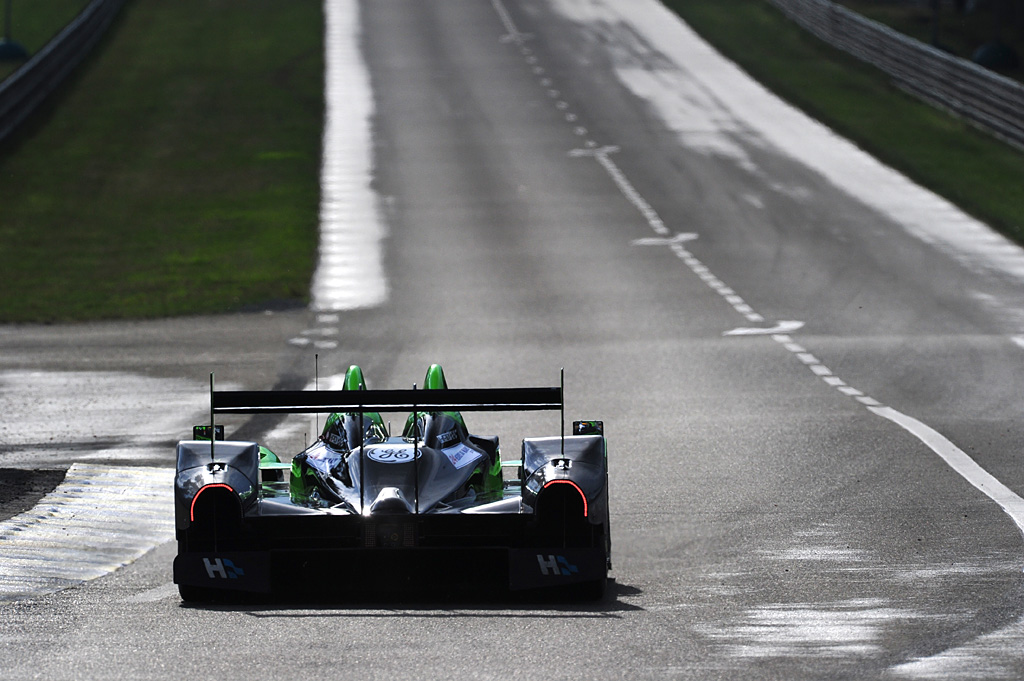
point(595, 590)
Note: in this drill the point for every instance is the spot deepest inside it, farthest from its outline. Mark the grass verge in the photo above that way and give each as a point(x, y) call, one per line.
point(177, 174)
point(982, 175)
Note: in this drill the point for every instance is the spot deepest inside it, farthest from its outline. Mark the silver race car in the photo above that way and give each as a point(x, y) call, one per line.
point(433, 510)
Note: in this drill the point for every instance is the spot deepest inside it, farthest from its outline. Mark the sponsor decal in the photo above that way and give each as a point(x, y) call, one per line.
point(461, 455)
point(391, 454)
point(322, 459)
point(556, 565)
point(222, 569)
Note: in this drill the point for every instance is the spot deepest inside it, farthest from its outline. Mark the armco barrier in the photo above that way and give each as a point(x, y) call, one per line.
point(986, 98)
point(23, 91)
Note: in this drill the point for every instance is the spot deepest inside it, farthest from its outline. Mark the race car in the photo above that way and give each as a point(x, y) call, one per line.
point(430, 511)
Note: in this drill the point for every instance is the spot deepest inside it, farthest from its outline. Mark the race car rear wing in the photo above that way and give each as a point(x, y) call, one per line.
point(362, 401)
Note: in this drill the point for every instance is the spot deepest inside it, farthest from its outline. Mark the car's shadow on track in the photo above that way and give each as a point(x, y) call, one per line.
point(375, 604)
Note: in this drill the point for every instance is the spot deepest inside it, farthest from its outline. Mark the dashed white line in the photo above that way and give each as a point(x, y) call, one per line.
point(957, 459)
point(783, 327)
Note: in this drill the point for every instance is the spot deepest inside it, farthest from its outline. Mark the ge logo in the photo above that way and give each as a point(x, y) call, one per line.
point(391, 454)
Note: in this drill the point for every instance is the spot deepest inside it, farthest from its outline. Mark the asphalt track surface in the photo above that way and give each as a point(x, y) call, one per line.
point(767, 520)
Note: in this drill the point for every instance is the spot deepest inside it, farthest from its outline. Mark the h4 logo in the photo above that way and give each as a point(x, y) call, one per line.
point(556, 565)
point(222, 569)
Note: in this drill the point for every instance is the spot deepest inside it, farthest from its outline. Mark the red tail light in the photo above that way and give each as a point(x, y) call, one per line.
point(576, 487)
point(204, 488)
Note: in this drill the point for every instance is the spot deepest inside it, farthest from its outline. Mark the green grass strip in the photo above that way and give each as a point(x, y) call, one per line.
point(177, 174)
point(982, 175)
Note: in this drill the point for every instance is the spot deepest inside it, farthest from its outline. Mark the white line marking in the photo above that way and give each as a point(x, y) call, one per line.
point(782, 327)
point(593, 152)
point(350, 271)
point(959, 461)
point(627, 189)
point(510, 27)
point(679, 238)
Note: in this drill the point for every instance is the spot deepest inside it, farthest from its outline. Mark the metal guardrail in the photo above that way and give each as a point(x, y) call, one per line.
point(27, 88)
point(989, 100)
